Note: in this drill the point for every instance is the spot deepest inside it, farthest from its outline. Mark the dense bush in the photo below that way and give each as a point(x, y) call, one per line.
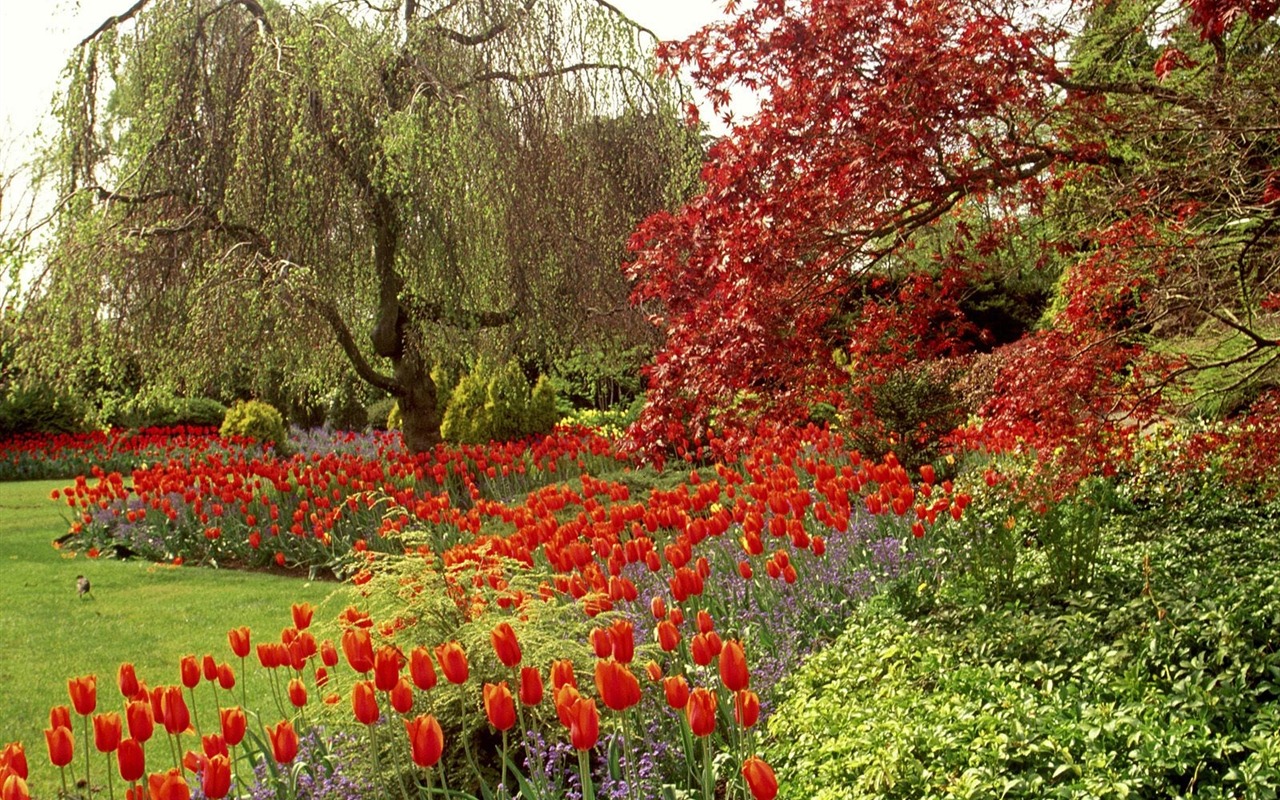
point(256, 420)
point(1164, 681)
point(165, 410)
point(599, 378)
point(346, 410)
point(497, 404)
point(39, 408)
point(379, 413)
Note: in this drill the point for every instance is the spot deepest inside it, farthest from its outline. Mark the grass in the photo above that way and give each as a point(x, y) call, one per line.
point(145, 613)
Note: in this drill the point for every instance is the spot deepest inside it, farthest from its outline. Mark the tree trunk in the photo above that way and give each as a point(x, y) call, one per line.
point(420, 406)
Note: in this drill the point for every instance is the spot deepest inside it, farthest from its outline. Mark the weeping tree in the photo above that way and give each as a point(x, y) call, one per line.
point(280, 191)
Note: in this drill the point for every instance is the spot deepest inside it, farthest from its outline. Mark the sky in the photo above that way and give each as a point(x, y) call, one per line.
point(36, 38)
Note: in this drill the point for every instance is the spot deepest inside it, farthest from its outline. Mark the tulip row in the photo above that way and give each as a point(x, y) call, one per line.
point(238, 508)
point(65, 455)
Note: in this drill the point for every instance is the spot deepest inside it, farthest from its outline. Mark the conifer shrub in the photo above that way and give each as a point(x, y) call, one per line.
point(497, 404)
point(464, 419)
point(256, 420)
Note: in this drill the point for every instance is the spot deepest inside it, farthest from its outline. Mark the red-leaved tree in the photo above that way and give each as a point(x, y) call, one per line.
point(907, 151)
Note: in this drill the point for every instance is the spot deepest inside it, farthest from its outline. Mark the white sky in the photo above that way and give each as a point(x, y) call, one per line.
point(36, 37)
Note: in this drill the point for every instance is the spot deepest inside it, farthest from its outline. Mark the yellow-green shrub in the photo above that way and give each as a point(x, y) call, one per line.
point(256, 420)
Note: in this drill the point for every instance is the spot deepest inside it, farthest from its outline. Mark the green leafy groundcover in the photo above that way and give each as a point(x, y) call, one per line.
point(1162, 681)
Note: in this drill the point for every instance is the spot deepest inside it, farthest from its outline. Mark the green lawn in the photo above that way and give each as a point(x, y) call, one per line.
point(145, 613)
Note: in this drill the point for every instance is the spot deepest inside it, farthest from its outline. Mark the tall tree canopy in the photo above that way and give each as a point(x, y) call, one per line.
point(908, 153)
point(267, 189)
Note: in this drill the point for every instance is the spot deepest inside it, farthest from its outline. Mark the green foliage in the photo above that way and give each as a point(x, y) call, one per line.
point(506, 405)
point(346, 411)
point(491, 404)
point(39, 408)
point(1162, 681)
point(160, 409)
point(379, 414)
point(543, 413)
point(599, 378)
point(395, 420)
point(910, 412)
point(611, 423)
point(464, 417)
point(258, 421)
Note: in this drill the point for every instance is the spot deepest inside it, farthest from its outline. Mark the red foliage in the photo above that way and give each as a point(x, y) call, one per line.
point(874, 122)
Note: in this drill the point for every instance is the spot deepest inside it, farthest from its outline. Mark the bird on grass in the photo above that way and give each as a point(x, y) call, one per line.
point(82, 587)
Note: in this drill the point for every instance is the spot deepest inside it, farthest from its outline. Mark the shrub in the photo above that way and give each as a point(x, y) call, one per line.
point(200, 411)
point(497, 405)
point(379, 413)
point(464, 418)
point(1159, 682)
point(506, 406)
point(39, 408)
point(601, 377)
point(346, 411)
point(907, 414)
point(543, 410)
point(256, 420)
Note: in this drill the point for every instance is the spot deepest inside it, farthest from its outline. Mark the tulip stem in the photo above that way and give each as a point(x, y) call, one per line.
point(584, 769)
point(87, 785)
point(63, 771)
point(244, 703)
point(111, 783)
point(708, 782)
point(195, 714)
point(506, 788)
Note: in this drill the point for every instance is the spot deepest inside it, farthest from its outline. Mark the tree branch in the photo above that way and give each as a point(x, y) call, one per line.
point(348, 344)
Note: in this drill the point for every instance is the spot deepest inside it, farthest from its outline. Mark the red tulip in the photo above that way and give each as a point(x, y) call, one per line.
point(59, 717)
point(61, 746)
point(505, 644)
point(654, 670)
point(84, 694)
point(209, 668)
point(233, 724)
point(168, 786)
point(421, 669)
point(676, 689)
point(760, 779)
point(357, 646)
point(386, 668)
point(701, 711)
point(658, 607)
point(131, 760)
point(744, 569)
point(402, 696)
point(746, 708)
point(216, 780)
point(297, 693)
point(284, 742)
point(214, 745)
point(668, 635)
point(194, 762)
point(705, 623)
point(14, 759)
point(565, 697)
point(174, 711)
point(106, 732)
point(364, 702)
point(426, 740)
point(530, 686)
point(14, 787)
point(733, 666)
point(141, 719)
point(617, 686)
point(127, 680)
point(700, 649)
point(562, 673)
point(601, 642)
point(453, 662)
point(584, 723)
point(239, 641)
point(622, 632)
point(302, 613)
point(226, 677)
point(328, 653)
point(190, 670)
point(499, 706)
